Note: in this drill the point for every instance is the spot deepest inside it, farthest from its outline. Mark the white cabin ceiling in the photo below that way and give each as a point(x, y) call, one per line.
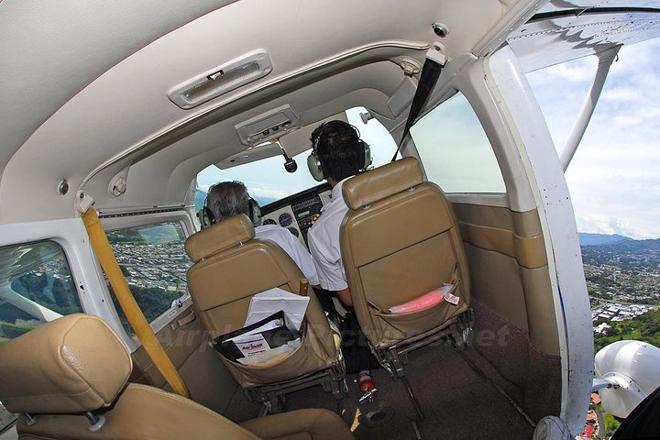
point(51, 50)
point(87, 80)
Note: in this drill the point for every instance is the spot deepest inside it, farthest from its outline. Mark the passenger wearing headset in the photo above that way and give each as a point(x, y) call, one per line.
point(227, 199)
point(338, 154)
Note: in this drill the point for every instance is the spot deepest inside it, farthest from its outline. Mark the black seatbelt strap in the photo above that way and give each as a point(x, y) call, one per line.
point(427, 79)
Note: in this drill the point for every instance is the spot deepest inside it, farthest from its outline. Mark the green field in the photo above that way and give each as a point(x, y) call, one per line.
point(643, 328)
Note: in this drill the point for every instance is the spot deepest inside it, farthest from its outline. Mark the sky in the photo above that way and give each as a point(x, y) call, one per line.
point(614, 178)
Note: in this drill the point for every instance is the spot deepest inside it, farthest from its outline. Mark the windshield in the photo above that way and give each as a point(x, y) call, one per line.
point(268, 181)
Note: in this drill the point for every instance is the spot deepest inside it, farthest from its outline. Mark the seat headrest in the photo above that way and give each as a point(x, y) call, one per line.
point(382, 182)
point(71, 365)
point(219, 237)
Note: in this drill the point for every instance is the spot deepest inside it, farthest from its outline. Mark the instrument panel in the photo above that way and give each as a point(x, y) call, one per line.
point(298, 212)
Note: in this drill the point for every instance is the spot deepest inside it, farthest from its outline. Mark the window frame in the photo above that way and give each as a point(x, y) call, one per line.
point(87, 274)
point(71, 236)
point(120, 221)
point(66, 261)
point(472, 79)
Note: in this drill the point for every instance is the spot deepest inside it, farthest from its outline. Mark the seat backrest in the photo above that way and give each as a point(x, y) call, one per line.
point(399, 240)
point(77, 364)
point(230, 267)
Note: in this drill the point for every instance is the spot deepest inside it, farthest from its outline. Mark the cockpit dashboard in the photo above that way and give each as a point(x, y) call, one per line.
point(298, 212)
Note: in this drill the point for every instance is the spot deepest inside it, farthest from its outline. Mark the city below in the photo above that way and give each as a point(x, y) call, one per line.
point(623, 280)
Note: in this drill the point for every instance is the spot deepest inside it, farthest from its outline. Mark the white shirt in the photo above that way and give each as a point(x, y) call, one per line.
point(323, 239)
point(292, 246)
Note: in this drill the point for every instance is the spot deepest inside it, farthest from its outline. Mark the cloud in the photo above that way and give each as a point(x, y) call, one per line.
point(577, 71)
point(614, 178)
point(620, 94)
point(258, 192)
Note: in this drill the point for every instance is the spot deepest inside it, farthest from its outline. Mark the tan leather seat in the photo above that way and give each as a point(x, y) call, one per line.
point(230, 267)
point(400, 240)
point(76, 365)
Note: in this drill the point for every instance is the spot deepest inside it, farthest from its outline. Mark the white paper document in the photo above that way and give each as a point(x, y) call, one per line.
point(264, 304)
point(252, 346)
point(268, 355)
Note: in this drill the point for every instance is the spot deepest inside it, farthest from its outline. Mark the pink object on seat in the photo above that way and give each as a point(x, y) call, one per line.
point(420, 303)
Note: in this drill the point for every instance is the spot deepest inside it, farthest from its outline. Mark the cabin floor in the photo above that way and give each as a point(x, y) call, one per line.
point(457, 400)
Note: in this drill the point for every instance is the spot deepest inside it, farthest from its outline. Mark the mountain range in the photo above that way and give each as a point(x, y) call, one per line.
point(589, 239)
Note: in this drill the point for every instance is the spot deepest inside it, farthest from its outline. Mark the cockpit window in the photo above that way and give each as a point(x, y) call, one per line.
point(268, 181)
point(36, 286)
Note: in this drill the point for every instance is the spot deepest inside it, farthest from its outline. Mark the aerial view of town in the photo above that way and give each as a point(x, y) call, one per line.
point(623, 280)
point(154, 263)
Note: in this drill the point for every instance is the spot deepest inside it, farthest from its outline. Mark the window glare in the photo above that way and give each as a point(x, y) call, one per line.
point(455, 150)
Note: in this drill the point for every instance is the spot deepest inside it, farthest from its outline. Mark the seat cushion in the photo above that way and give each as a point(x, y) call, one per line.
point(141, 412)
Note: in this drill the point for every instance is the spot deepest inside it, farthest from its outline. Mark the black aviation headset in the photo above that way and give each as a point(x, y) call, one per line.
point(313, 162)
point(206, 217)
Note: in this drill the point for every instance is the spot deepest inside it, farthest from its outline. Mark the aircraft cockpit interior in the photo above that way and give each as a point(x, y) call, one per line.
point(445, 299)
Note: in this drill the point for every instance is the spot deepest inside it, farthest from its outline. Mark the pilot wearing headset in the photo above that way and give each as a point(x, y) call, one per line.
point(227, 199)
point(338, 153)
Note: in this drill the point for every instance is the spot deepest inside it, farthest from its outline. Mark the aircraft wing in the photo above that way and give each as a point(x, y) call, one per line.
point(567, 30)
point(19, 260)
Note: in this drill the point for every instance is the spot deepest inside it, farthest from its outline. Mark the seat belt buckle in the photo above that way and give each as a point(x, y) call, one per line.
point(436, 53)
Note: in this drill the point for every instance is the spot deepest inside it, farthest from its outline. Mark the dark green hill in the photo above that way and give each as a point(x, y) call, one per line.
point(644, 328)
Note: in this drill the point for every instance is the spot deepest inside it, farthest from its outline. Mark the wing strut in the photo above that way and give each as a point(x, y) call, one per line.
point(605, 60)
point(103, 250)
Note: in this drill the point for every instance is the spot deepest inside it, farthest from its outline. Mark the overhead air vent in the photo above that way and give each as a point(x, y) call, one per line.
point(222, 79)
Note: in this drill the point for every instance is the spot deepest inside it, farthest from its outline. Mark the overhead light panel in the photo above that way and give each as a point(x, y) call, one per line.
point(268, 126)
point(221, 79)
